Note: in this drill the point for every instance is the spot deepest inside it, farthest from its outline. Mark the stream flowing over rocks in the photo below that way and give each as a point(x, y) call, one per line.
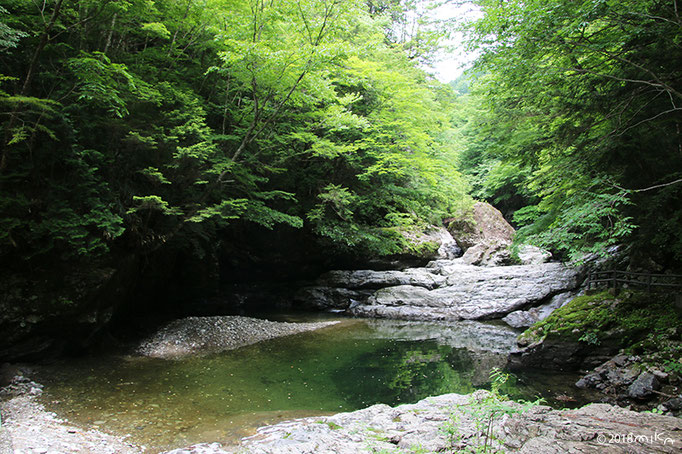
point(446, 289)
point(596, 428)
point(193, 336)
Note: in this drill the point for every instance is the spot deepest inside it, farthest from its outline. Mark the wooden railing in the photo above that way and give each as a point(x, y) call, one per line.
point(619, 279)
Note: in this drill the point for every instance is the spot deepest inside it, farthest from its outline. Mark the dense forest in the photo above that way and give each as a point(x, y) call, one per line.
point(150, 144)
point(573, 123)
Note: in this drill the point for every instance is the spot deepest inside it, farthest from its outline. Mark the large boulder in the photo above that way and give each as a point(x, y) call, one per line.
point(492, 253)
point(644, 386)
point(532, 255)
point(484, 224)
point(419, 246)
point(369, 279)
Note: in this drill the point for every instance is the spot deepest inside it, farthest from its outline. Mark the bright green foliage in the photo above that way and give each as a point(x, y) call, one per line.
point(9, 37)
point(576, 114)
point(134, 125)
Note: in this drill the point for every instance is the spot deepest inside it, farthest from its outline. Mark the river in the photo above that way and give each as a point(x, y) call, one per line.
point(165, 404)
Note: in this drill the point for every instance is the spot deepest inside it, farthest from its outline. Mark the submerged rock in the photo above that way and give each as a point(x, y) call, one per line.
point(27, 427)
point(193, 336)
point(478, 337)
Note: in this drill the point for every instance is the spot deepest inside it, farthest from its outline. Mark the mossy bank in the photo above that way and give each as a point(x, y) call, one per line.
point(644, 330)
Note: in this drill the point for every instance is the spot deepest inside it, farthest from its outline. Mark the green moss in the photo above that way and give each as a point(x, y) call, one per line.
point(426, 248)
point(643, 323)
point(584, 313)
point(410, 240)
point(332, 426)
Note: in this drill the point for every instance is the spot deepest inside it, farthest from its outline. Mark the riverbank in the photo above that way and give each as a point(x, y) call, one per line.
point(27, 427)
point(629, 346)
point(446, 423)
point(469, 423)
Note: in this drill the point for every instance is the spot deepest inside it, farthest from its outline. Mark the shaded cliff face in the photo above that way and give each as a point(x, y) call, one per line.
point(68, 307)
point(42, 312)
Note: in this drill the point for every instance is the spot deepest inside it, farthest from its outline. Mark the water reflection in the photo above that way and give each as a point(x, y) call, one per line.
point(224, 397)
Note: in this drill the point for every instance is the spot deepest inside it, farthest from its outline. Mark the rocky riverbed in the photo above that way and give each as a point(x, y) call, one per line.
point(446, 423)
point(193, 336)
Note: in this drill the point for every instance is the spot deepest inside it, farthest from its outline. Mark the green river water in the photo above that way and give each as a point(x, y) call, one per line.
point(172, 403)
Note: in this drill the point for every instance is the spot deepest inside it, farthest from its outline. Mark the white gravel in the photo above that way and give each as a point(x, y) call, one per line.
point(28, 428)
point(194, 336)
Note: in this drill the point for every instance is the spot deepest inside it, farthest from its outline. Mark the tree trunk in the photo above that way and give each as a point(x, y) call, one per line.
point(111, 33)
point(44, 38)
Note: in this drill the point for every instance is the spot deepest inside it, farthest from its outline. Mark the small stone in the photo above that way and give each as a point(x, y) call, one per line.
point(659, 374)
point(620, 360)
point(644, 386)
point(674, 404)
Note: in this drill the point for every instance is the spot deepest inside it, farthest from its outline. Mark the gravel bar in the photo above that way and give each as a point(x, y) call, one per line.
point(196, 336)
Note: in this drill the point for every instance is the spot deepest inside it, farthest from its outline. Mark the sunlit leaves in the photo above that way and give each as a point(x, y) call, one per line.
point(582, 98)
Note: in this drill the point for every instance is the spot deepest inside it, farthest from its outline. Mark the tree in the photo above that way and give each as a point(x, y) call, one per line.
point(155, 126)
point(584, 96)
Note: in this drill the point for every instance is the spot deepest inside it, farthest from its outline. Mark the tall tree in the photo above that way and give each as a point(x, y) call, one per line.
point(584, 95)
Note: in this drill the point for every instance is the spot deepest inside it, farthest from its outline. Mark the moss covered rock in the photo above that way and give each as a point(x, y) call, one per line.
point(591, 328)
